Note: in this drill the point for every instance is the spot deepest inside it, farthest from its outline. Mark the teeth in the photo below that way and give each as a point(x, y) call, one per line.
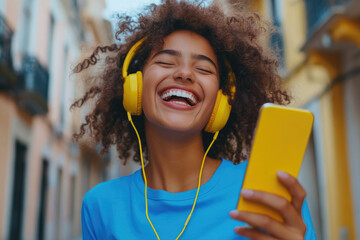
point(178, 102)
point(179, 93)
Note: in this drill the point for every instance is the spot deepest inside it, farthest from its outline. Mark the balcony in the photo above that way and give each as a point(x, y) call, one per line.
point(33, 86)
point(7, 75)
point(331, 24)
point(277, 43)
point(318, 12)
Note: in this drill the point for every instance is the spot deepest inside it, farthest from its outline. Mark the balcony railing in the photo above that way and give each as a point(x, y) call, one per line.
point(34, 84)
point(277, 42)
point(317, 11)
point(7, 76)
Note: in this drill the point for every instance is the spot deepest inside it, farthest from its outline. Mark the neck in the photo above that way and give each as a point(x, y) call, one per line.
point(175, 160)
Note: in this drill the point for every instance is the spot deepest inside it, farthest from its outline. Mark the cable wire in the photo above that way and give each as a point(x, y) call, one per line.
point(145, 181)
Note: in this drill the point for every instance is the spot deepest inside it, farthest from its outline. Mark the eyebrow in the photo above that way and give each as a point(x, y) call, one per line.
point(203, 57)
point(178, 54)
point(167, 51)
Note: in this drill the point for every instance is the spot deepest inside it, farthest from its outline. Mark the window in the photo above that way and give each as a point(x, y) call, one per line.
point(16, 220)
point(43, 199)
point(58, 203)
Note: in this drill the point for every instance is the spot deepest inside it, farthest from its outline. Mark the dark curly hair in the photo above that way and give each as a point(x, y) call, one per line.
point(235, 38)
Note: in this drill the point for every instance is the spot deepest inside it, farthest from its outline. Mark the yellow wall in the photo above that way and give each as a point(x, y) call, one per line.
point(337, 168)
point(308, 74)
point(294, 29)
point(306, 83)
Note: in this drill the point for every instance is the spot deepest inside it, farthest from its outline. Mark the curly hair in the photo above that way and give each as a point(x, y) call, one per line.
point(235, 39)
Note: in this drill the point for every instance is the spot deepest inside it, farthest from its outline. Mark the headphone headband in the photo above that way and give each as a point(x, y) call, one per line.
point(130, 56)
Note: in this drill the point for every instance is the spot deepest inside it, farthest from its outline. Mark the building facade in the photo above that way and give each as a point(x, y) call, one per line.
point(318, 43)
point(324, 74)
point(43, 173)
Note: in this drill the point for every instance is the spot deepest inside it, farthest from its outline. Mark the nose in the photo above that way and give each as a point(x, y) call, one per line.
point(183, 73)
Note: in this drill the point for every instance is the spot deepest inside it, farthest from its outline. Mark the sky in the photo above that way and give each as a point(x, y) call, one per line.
point(131, 7)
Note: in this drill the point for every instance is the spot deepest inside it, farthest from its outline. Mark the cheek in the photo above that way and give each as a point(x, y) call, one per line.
point(152, 77)
point(212, 88)
point(149, 92)
point(148, 98)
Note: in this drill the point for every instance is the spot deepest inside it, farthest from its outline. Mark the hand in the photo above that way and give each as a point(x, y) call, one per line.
point(293, 227)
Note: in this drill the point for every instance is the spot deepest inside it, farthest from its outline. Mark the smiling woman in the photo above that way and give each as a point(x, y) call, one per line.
point(182, 67)
point(186, 65)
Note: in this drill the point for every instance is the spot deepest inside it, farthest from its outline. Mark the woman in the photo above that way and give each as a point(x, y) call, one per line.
point(185, 53)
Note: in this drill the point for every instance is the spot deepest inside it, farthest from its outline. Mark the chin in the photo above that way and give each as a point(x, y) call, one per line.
point(181, 127)
point(177, 124)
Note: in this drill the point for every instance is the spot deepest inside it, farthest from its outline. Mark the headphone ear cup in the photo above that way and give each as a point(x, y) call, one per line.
point(220, 113)
point(132, 95)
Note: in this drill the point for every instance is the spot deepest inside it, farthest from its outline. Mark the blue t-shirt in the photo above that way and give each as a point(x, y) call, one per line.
point(116, 209)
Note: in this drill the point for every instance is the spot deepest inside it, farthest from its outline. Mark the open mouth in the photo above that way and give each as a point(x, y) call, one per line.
point(179, 96)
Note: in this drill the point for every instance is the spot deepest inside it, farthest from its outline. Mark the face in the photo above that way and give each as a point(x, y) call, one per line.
point(180, 83)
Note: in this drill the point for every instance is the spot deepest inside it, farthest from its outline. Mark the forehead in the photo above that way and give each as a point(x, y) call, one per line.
point(188, 42)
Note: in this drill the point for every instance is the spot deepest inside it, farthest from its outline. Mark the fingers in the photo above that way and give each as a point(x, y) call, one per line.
point(296, 190)
point(261, 221)
point(291, 217)
point(293, 226)
point(253, 233)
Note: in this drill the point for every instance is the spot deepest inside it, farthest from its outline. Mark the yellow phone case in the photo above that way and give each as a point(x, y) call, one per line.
point(280, 141)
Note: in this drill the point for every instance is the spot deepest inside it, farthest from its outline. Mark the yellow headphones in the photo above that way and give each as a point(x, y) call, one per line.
point(132, 96)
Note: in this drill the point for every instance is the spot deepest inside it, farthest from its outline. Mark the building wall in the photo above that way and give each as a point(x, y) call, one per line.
point(311, 68)
point(11, 11)
point(352, 120)
point(14, 127)
point(48, 137)
point(294, 37)
point(321, 70)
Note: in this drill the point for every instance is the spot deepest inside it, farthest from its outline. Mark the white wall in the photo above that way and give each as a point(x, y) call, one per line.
point(313, 171)
point(352, 118)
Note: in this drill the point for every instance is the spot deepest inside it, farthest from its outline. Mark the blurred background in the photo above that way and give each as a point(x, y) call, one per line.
point(44, 174)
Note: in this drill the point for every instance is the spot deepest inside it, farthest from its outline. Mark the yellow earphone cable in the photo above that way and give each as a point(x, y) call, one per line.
point(143, 172)
point(145, 181)
point(197, 193)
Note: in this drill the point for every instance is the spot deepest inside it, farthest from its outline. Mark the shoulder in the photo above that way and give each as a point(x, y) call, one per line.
point(230, 167)
point(232, 173)
point(112, 189)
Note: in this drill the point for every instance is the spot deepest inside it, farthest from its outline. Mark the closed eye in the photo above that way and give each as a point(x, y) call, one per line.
point(205, 70)
point(164, 63)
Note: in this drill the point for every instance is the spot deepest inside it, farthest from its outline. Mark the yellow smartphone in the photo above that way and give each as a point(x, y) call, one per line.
point(279, 143)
